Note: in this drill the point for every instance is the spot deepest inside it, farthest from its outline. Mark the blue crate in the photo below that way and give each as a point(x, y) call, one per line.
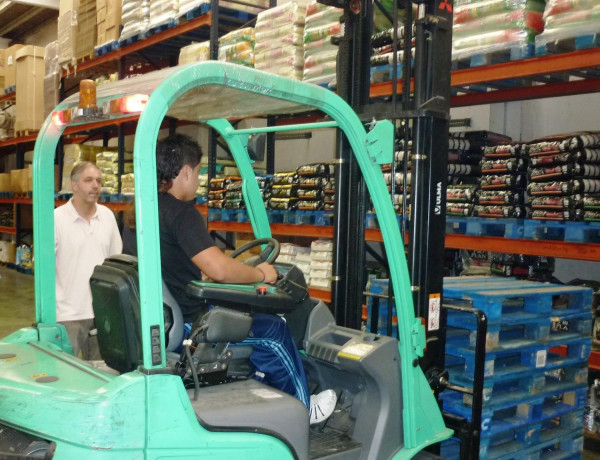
point(241, 216)
point(324, 218)
point(6, 194)
point(200, 199)
point(281, 217)
point(106, 48)
point(222, 215)
point(304, 217)
point(109, 197)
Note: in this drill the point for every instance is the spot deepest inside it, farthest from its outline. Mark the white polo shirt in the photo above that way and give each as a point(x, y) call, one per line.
point(80, 246)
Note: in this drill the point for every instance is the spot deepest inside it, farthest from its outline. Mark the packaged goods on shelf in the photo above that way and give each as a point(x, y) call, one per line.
point(107, 161)
point(276, 28)
point(135, 17)
point(77, 32)
point(258, 6)
point(128, 184)
point(563, 174)
point(108, 17)
point(238, 47)
point(566, 22)
point(196, 52)
point(21, 180)
point(7, 123)
point(162, 12)
point(30, 90)
point(320, 55)
point(187, 5)
point(52, 78)
point(483, 28)
point(321, 257)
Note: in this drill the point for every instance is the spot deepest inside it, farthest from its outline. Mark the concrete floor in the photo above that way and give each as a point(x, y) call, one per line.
point(17, 309)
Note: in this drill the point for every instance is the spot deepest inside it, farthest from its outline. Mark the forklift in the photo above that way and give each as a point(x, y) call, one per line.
point(53, 405)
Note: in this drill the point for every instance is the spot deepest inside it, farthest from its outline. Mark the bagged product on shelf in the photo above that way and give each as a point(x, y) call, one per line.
point(162, 12)
point(554, 215)
point(135, 16)
point(196, 52)
point(506, 181)
point(459, 209)
point(499, 211)
point(320, 55)
point(491, 26)
point(502, 151)
point(128, 184)
point(555, 202)
point(460, 194)
point(499, 197)
point(566, 20)
point(510, 165)
point(283, 204)
point(287, 177)
point(238, 47)
point(291, 12)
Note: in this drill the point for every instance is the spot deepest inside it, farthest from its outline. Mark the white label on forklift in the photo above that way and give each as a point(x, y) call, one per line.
point(433, 322)
point(540, 358)
point(265, 393)
point(356, 351)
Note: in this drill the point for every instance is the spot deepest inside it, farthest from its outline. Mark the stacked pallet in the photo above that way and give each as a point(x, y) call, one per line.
point(564, 178)
point(535, 371)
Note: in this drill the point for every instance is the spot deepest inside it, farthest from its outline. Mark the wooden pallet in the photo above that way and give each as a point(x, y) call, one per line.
point(26, 132)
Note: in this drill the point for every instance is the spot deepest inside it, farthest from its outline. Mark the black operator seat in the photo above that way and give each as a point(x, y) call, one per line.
point(116, 304)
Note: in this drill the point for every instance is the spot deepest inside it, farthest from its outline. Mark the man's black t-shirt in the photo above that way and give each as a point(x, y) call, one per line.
point(183, 234)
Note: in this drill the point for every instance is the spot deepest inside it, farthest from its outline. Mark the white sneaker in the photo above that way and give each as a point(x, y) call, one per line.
point(322, 406)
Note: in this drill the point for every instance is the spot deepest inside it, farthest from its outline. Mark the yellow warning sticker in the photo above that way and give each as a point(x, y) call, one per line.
point(356, 351)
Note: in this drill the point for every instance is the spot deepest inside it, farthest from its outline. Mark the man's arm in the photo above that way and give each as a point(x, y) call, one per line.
point(223, 269)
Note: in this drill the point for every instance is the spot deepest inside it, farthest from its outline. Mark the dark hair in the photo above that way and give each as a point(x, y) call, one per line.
point(172, 154)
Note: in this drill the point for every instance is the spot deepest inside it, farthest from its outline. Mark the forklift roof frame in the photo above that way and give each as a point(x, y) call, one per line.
point(193, 90)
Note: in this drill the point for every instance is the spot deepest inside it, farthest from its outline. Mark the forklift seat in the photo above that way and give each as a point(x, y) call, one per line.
point(116, 303)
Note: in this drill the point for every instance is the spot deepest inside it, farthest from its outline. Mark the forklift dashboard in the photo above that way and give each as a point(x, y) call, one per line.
point(282, 297)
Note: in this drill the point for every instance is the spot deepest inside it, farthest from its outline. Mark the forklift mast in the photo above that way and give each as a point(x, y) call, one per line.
point(425, 112)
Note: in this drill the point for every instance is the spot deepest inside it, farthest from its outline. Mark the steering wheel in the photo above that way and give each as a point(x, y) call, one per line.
point(269, 254)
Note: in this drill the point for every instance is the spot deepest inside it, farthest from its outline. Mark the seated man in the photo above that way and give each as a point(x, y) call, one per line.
point(188, 252)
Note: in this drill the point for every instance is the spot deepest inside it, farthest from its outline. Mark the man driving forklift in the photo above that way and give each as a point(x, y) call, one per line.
point(188, 252)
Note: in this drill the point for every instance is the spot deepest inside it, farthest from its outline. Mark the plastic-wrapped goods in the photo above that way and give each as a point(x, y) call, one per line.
point(285, 177)
point(567, 171)
point(503, 181)
point(489, 26)
point(459, 209)
point(499, 211)
point(499, 197)
point(162, 12)
point(128, 184)
point(238, 47)
point(568, 19)
point(135, 16)
point(502, 151)
point(277, 28)
point(460, 194)
point(320, 55)
point(188, 5)
point(555, 202)
point(196, 52)
point(511, 165)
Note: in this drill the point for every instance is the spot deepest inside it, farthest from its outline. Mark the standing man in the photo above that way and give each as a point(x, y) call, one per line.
point(85, 233)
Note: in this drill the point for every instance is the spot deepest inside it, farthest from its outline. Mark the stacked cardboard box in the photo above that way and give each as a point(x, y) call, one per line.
point(10, 69)
point(30, 92)
point(108, 15)
point(76, 29)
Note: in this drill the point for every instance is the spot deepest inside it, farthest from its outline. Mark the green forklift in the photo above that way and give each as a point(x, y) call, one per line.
point(156, 404)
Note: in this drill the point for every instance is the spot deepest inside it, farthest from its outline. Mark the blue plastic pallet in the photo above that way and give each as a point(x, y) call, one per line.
point(6, 194)
point(383, 73)
point(313, 218)
point(195, 12)
point(535, 298)
point(109, 198)
point(521, 409)
point(509, 53)
point(106, 48)
point(507, 363)
point(483, 226)
point(578, 232)
point(10, 89)
point(579, 42)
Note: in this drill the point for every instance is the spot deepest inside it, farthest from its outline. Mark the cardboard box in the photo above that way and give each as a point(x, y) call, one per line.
point(19, 179)
point(67, 5)
point(30, 90)
point(10, 73)
point(67, 33)
point(5, 182)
